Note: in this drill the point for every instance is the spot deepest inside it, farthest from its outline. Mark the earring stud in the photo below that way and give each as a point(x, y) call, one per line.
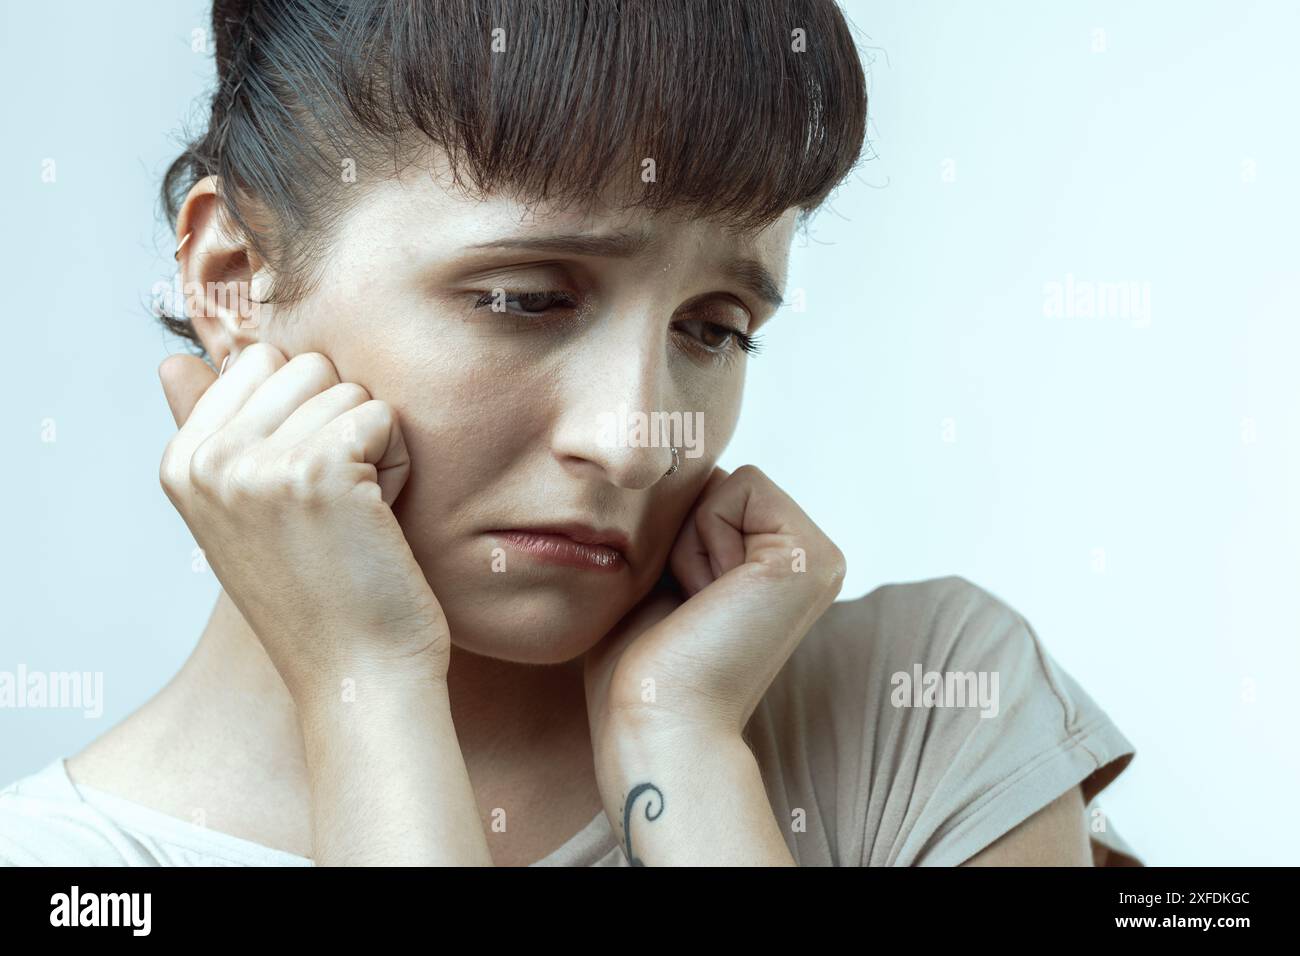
point(183, 241)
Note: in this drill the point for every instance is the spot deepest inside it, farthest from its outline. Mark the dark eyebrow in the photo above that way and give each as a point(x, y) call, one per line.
point(750, 273)
point(620, 245)
point(755, 277)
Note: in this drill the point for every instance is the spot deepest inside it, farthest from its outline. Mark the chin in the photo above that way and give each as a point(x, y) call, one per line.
point(530, 627)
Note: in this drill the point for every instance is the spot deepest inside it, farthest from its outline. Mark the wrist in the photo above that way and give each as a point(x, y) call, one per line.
point(650, 736)
point(631, 755)
point(400, 735)
point(361, 697)
point(687, 796)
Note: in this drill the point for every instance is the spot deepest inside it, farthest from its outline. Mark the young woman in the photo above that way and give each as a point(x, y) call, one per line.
point(432, 249)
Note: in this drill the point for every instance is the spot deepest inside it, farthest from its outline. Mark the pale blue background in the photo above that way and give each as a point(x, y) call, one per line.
point(1169, 159)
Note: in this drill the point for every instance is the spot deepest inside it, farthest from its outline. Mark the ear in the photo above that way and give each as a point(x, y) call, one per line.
point(218, 272)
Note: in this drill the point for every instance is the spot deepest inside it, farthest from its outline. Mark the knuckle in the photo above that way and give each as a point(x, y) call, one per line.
point(263, 355)
point(245, 478)
point(351, 393)
point(380, 412)
point(836, 567)
point(301, 474)
point(315, 366)
point(173, 470)
point(205, 465)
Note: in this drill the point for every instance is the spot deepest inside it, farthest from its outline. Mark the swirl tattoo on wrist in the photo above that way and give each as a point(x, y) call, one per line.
point(636, 791)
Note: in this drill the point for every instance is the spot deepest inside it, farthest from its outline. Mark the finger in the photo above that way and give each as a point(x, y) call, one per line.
point(227, 395)
point(305, 375)
point(317, 412)
point(723, 519)
point(370, 434)
point(184, 380)
point(689, 560)
point(771, 528)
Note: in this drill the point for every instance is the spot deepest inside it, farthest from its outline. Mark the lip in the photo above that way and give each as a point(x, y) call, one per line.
point(571, 545)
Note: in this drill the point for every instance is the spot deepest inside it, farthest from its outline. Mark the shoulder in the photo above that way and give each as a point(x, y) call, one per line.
point(911, 618)
point(43, 822)
point(926, 719)
point(927, 641)
point(864, 668)
point(875, 643)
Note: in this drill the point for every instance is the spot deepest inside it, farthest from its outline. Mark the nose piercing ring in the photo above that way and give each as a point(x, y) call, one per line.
point(676, 462)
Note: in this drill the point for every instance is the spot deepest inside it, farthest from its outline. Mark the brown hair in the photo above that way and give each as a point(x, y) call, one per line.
point(550, 100)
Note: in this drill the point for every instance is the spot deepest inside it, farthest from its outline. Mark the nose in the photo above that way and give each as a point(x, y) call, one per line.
point(604, 430)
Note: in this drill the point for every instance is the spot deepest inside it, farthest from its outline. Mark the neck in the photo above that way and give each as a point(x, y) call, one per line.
point(509, 718)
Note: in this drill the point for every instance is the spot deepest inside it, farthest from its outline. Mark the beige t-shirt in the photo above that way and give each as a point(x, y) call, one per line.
point(912, 727)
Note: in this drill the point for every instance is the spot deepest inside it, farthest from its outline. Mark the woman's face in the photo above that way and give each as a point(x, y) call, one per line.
point(517, 352)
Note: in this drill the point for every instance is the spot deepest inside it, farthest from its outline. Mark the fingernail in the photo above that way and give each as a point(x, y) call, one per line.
point(224, 362)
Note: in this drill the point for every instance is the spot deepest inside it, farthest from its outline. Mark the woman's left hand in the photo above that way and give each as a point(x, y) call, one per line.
point(683, 677)
point(757, 574)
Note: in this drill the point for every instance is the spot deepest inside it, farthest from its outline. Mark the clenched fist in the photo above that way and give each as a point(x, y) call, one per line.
point(286, 477)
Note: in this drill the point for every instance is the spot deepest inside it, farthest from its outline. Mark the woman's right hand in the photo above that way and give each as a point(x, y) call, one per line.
point(286, 477)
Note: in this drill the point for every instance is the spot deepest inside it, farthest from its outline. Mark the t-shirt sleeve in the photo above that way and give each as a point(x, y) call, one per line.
point(1030, 734)
point(35, 831)
point(947, 723)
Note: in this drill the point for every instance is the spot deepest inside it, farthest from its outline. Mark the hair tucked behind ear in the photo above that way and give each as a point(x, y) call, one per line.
point(742, 109)
point(250, 171)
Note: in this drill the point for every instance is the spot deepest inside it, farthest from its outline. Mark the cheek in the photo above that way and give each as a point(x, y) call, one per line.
point(470, 423)
point(449, 390)
point(462, 422)
point(717, 411)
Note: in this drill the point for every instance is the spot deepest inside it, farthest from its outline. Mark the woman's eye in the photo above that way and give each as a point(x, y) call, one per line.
point(524, 303)
point(718, 338)
point(715, 336)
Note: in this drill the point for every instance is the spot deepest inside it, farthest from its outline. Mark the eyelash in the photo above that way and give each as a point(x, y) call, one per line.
point(744, 341)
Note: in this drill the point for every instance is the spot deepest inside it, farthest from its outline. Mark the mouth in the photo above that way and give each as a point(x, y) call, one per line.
point(570, 545)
